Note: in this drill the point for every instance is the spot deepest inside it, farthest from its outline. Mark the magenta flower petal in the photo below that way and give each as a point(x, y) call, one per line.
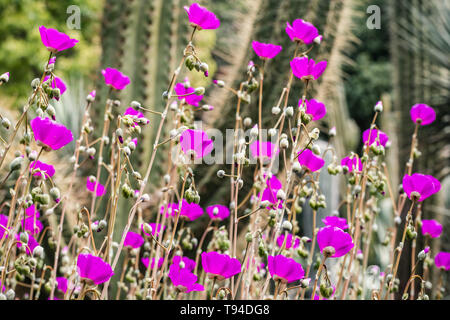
point(32, 224)
point(285, 269)
point(4, 223)
point(334, 221)
point(189, 264)
point(201, 18)
point(56, 41)
point(336, 238)
point(184, 279)
point(135, 114)
point(196, 141)
point(307, 69)
point(301, 30)
point(32, 243)
point(422, 114)
point(353, 164)
point(93, 268)
point(431, 228)
point(220, 265)
point(57, 83)
point(50, 133)
point(309, 160)
point(442, 260)
point(115, 78)
point(146, 260)
point(169, 209)
point(218, 211)
point(420, 185)
point(133, 240)
point(377, 136)
point(192, 211)
point(289, 243)
point(265, 149)
point(266, 50)
point(184, 91)
point(47, 169)
point(101, 190)
point(156, 229)
point(314, 108)
point(62, 284)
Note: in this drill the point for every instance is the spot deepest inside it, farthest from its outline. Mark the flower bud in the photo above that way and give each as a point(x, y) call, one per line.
point(4, 78)
point(276, 110)
point(247, 122)
point(38, 252)
point(6, 123)
point(221, 173)
point(199, 91)
point(16, 164)
point(55, 193)
point(24, 237)
point(289, 111)
point(378, 107)
point(287, 225)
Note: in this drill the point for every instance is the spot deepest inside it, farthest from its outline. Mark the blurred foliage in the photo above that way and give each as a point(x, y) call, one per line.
point(22, 52)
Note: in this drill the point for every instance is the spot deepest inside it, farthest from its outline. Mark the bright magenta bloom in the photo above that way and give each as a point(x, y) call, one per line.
point(422, 114)
point(442, 260)
point(4, 223)
point(133, 240)
point(156, 229)
point(169, 209)
point(266, 50)
point(353, 164)
point(93, 268)
point(377, 136)
point(47, 169)
point(32, 243)
point(301, 30)
point(289, 243)
point(220, 265)
point(183, 279)
point(284, 269)
point(314, 108)
point(146, 260)
point(30, 222)
point(431, 228)
point(334, 221)
point(336, 238)
point(196, 141)
point(267, 150)
point(307, 69)
point(115, 79)
point(50, 133)
point(270, 193)
point(218, 211)
point(201, 18)
point(420, 185)
point(62, 284)
point(101, 190)
point(57, 83)
point(186, 92)
point(56, 41)
point(192, 211)
point(189, 264)
point(135, 114)
point(309, 160)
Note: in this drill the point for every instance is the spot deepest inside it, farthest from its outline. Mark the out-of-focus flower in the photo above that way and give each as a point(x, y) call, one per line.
point(314, 108)
point(191, 211)
point(266, 50)
point(50, 133)
point(4, 223)
point(219, 265)
point(422, 114)
point(442, 260)
point(55, 40)
point(156, 229)
point(307, 69)
point(285, 269)
point(302, 30)
point(146, 260)
point(186, 92)
point(183, 279)
point(333, 221)
point(91, 185)
point(196, 141)
point(420, 186)
point(377, 136)
point(133, 240)
point(115, 79)
point(218, 211)
point(189, 264)
point(289, 243)
point(353, 164)
point(47, 169)
point(431, 228)
point(201, 18)
point(309, 160)
point(32, 243)
point(169, 209)
point(263, 149)
point(135, 114)
point(57, 83)
point(93, 268)
point(335, 238)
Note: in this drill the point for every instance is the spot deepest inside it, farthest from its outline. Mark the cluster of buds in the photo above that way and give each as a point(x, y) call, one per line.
point(192, 62)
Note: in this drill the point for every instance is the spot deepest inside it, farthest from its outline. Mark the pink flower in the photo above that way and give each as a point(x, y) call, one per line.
point(270, 193)
point(264, 149)
point(93, 268)
point(284, 269)
point(184, 91)
point(47, 169)
point(32, 243)
point(191, 211)
point(135, 114)
point(4, 223)
point(92, 186)
point(31, 223)
point(169, 209)
point(353, 164)
point(156, 229)
point(183, 279)
point(334, 221)
point(266, 50)
point(307, 69)
point(220, 265)
point(431, 228)
point(301, 30)
point(146, 260)
point(189, 264)
point(309, 160)
point(201, 18)
point(93, 93)
point(133, 240)
point(377, 136)
point(422, 114)
point(289, 243)
point(54, 40)
point(57, 83)
point(62, 284)
point(115, 79)
point(420, 185)
point(218, 211)
point(50, 133)
point(442, 260)
point(335, 238)
point(196, 141)
point(314, 108)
